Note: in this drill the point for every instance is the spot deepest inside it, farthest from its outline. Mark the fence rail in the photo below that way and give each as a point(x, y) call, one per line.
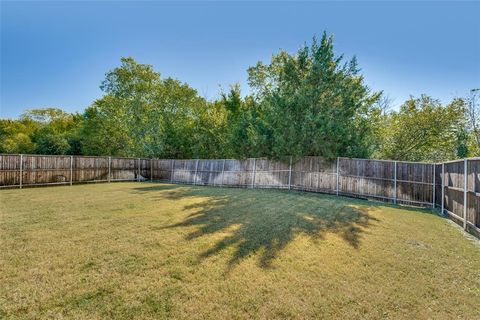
point(452, 187)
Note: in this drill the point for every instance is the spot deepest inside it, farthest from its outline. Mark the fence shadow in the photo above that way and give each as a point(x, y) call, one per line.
point(264, 222)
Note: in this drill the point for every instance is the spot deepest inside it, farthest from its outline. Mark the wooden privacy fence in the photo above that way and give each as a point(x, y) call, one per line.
point(452, 187)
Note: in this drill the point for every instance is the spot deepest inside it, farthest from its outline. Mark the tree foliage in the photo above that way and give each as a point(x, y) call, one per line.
point(473, 122)
point(424, 129)
point(42, 131)
point(16, 136)
point(313, 102)
point(144, 115)
point(244, 118)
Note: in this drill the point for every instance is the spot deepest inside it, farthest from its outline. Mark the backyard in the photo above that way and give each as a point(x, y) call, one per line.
point(151, 250)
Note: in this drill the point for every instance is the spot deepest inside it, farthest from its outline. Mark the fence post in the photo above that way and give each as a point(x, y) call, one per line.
point(138, 171)
point(109, 169)
point(338, 175)
point(443, 187)
point(433, 192)
point(71, 170)
point(465, 198)
point(254, 167)
point(171, 170)
point(151, 169)
point(223, 171)
point(195, 176)
point(21, 171)
point(395, 183)
point(290, 174)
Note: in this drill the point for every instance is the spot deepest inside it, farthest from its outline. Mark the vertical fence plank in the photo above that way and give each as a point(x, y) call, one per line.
point(195, 175)
point(171, 171)
point(290, 174)
point(109, 169)
point(474, 188)
point(443, 188)
point(151, 169)
point(223, 171)
point(338, 175)
point(465, 192)
point(433, 186)
point(138, 171)
point(254, 168)
point(21, 171)
point(395, 182)
point(71, 170)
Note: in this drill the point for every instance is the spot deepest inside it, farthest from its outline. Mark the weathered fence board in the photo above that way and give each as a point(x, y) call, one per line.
point(454, 192)
point(161, 169)
point(439, 167)
point(314, 174)
point(38, 170)
point(10, 170)
point(367, 178)
point(439, 186)
point(473, 194)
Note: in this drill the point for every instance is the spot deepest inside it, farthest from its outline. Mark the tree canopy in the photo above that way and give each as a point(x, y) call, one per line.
point(424, 129)
point(43, 131)
point(142, 114)
point(313, 102)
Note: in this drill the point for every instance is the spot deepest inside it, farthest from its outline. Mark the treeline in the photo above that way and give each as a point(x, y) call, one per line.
point(309, 103)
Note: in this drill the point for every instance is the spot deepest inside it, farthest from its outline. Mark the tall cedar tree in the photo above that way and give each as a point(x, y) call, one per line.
point(314, 104)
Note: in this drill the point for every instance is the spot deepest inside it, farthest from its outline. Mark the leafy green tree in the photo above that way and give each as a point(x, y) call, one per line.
point(104, 130)
point(41, 131)
point(314, 103)
point(424, 130)
point(209, 131)
point(15, 136)
point(144, 115)
point(244, 120)
point(309, 103)
point(55, 129)
point(473, 122)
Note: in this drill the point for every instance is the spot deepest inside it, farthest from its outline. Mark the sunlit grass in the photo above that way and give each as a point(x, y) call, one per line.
point(143, 250)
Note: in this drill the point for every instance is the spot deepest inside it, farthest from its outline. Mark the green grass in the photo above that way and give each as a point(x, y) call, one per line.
point(143, 250)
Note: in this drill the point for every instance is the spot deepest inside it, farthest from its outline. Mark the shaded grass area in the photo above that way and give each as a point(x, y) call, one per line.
point(144, 250)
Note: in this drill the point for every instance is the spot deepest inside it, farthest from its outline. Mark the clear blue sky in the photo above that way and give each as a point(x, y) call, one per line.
point(56, 54)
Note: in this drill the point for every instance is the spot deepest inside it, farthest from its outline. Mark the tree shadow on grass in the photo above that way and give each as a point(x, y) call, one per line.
point(265, 221)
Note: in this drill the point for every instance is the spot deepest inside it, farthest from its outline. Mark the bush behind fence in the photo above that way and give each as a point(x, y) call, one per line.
point(444, 186)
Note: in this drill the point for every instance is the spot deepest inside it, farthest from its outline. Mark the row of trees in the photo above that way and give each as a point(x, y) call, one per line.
point(309, 103)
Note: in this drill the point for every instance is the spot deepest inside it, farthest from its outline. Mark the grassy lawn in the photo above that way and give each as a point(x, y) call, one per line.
point(145, 250)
